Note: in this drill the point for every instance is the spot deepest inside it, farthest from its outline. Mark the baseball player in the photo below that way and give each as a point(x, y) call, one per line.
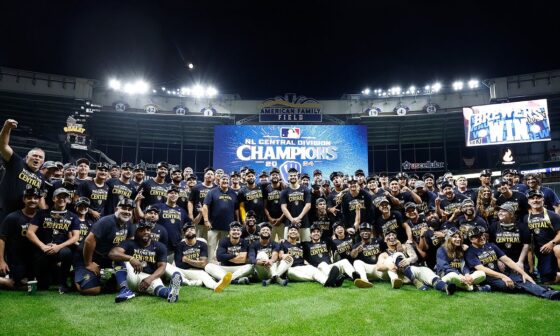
point(263, 253)
point(334, 197)
point(511, 236)
point(139, 175)
point(350, 201)
point(152, 214)
point(68, 182)
point(114, 172)
point(272, 208)
point(191, 257)
point(391, 221)
point(365, 254)
point(320, 217)
point(196, 198)
point(176, 179)
point(96, 190)
point(251, 197)
point(295, 202)
point(465, 217)
point(82, 170)
point(516, 199)
point(120, 187)
point(232, 253)
point(450, 204)
point(172, 218)
point(235, 184)
point(250, 232)
point(82, 210)
point(145, 262)
point(342, 242)
point(15, 248)
point(154, 190)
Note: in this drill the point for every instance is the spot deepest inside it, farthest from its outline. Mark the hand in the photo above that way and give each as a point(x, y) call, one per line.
point(405, 189)
point(404, 263)
point(393, 268)
point(360, 248)
point(439, 234)
point(547, 248)
point(94, 214)
point(467, 279)
point(93, 267)
point(46, 248)
point(351, 231)
point(136, 264)
point(509, 283)
point(527, 277)
point(54, 249)
point(10, 124)
point(333, 210)
point(501, 266)
point(139, 197)
point(4, 268)
point(207, 225)
point(144, 284)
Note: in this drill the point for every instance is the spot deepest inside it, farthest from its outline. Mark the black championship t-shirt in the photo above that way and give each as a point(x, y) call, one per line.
point(149, 255)
point(295, 200)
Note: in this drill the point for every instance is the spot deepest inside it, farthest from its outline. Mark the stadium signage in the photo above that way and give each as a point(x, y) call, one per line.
point(290, 107)
point(508, 123)
point(423, 165)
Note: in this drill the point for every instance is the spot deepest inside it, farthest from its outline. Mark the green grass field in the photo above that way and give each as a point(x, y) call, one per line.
point(299, 309)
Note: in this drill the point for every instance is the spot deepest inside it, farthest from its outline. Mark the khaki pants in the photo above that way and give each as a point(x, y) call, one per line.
point(276, 269)
point(192, 274)
point(277, 232)
point(201, 231)
point(218, 271)
point(306, 273)
point(478, 277)
point(214, 237)
point(368, 272)
point(134, 279)
point(304, 234)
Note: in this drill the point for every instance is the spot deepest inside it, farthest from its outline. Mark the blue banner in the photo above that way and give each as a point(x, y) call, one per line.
point(328, 148)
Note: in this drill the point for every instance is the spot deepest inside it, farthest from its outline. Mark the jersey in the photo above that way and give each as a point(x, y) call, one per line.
point(487, 256)
point(97, 195)
point(197, 196)
point(117, 191)
point(349, 204)
point(392, 223)
point(295, 200)
point(449, 205)
point(250, 237)
point(447, 265)
point(324, 221)
point(149, 256)
point(13, 231)
point(417, 227)
point(331, 202)
point(85, 227)
point(343, 247)
point(190, 252)
point(518, 201)
point(271, 197)
point(55, 230)
point(109, 232)
point(71, 187)
point(295, 250)
point(159, 233)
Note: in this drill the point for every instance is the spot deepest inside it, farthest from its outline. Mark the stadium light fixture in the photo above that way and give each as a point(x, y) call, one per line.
point(412, 89)
point(366, 91)
point(211, 91)
point(458, 85)
point(436, 87)
point(115, 84)
point(473, 84)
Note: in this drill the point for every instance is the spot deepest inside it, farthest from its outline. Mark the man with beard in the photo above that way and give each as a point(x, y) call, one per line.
point(305, 180)
point(320, 217)
point(462, 188)
point(68, 182)
point(317, 176)
point(106, 233)
point(354, 200)
point(414, 222)
point(317, 252)
point(361, 178)
point(251, 197)
point(145, 262)
point(402, 179)
point(114, 171)
point(250, 232)
point(154, 190)
point(485, 181)
point(119, 188)
point(384, 180)
point(198, 194)
point(431, 238)
point(295, 202)
point(188, 171)
point(399, 260)
point(54, 233)
point(152, 214)
point(429, 179)
point(398, 196)
point(373, 189)
point(427, 197)
point(176, 179)
point(411, 184)
point(316, 193)
point(18, 172)
point(263, 178)
point(263, 253)
point(15, 248)
point(365, 254)
point(235, 184)
point(450, 204)
point(191, 257)
point(219, 211)
point(217, 176)
point(82, 210)
point(544, 226)
point(484, 256)
point(138, 178)
point(466, 219)
point(96, 190)
point(390, 221)
point(551, 201)
point(511, 236)
point(232, 253)
point(272, 208)
point(333, 199)
point(172, 218)
point(82, 165)
point(514, 198)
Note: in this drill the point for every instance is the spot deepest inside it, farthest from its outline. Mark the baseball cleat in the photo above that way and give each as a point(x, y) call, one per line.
point(362, 283)
point(243, 281)
point(124, 295)
point(482, 288)
point(340, 280)
point(175, 288)
point(396, 283)
point(424, 288)
point(450, 288)
point(226, 280)
point(333, 276)
point(266, 282)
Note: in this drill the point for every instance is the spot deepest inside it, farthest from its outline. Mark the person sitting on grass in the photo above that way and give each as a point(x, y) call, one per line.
point(145, 262)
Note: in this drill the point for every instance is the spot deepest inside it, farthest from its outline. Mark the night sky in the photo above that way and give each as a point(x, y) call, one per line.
point(259, 49)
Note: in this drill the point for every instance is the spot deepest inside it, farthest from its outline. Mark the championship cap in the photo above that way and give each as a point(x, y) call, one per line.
point(534, 193)
point(235, 224)
point(370, 178)
point(304, 175)
point(507, 207)
point(326, 183)
point(82, 201)
point(378, 200)
point(293, 226)
point(509, 171)
point(352, 179)
point(102, 165)
point(366, 226)
point(191, 177)
point(208, 169)
point(251, 214)
point(265, 224)
point(59, 164)
point(61, 191)
point(162, 164)
point(144, 224)
point(250, 171)
point(114, 165)
point(219, 171)
point(68, 166)
point(127, 165)
point(138, 167)
point(337, 224)
point(500, 182)
point(394, 178)
point(316, 186)
point(126, 202)
point(467, 201)
point(419, 184)
point(48, 165)
point(263, 174)
point(234, 173)
point(32, 191)
point(402, 175)
point(359, 172)
point(475, 232)
point(315, 227)
point(428, 175)
point(292, 170)
point(333, 175)
point(445, 184)
point(319, 200)
point(409, 205)
point(174, 170)
point(317, 172)
point(152, 207)
point(274, 170)
point(486, 172)
point(383, 174)
point(173, 188)
point(82, 160)
point(188, 225)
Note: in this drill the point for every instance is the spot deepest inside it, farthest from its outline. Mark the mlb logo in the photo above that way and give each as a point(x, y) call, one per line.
point(290, 133)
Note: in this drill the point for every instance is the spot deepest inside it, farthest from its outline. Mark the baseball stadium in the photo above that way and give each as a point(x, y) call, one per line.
point(130, 203)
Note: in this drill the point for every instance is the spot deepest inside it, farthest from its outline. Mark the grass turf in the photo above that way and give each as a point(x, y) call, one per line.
point(299, 309)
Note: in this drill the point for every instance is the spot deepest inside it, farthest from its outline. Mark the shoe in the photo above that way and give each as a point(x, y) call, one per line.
point(282, 282)
point(424, 288)
point(243, 281)
point(450, 288)
point(175, 288)
point(226, 280)
point(63, 290)
point(483, 288)
point(266, 282)
point(362, 283)
point(355, 275)
point(333, 276)
point(555, 296)
point(124, 294)
point(396, 283)
point(340, 280)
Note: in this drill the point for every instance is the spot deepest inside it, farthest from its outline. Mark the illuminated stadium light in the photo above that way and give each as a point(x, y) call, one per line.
point(197, 91)
point(115, 84)
point(154, 91)
point(366, 91)
point(163, 88)
point(473, 84)
point(190, 66)
point(211, 91)
point(436, 87)
point(137, 87)
point(458, 86)
point(412, 89)
point(395, 90)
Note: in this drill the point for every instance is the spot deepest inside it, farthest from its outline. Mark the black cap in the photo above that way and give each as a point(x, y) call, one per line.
point(292, 170)
point(304, 175)
point(402, 175)
point(315, 227)
point(175, 170)
point(326, 183)
point(509, 171)
point(127, 165)
point(409, 205)
point(414, 176)
point(32, 191)
point(275, 170)
point(102, 165)
point(234, 173)
point(445, 184)
point(534, 193)
point(351, 179)
point(475, 232)
point(152, 207)
point(145, 224)
point(173, 188)
point(114, 165)
point(82, 160)
point(191, 177)
point(208, 169)
point(139, 167)
point(366, 226)
point(293, 226)
point(126, 202)
point(316, 186)
point(334, 175)
point(251, 213)
point(336, 224)
point(83, 201)
point(235, 224)
point(265, 224)
point(486, 172)
point(359, 172)
point(317, 172)
point(394, 178)
point(383, 174)
point(162, 164)
point(188, 225)
point(263, 174)
point(370, 178)
point(428, 175)
point(250, 171)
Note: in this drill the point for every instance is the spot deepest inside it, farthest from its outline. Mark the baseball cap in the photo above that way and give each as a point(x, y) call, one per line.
point(486, 172)
point(534, 193)
point(250, 171)
point(293, 226)
point(359, 172)
point(333, 175)
point(264, 224)
point(192, 177)
point(162, 164)
point(402, 175)
point(83, 201)
point(235, 224)
point(152, 207)
point(188, 225)
point(144, 224)
point(413, 176)
point(127, 165)
point(383, 174)
point(419, 184)
point(263, 174)
point(370, 178)
point(352, 179)
point(394, 178)
point(61, 191)
point(82, 160)
point(126, 202)
point(366, 226)
point(316, 186)
point(319, 200)
point(208, 169)
point(467, 201)
point(275, 170)
point(304, 175)
point(48, 165)
point(475, 232)
point(173, 188)
point(326, 183)
point(138, 167)
point(337, 224)
point(507, 207)
point(378, 200)
point(32, 191)
point(315, 227)
point(234, 173)
point(251, 213)
point(292, 170)
point(219, 171)
point(174, 170)
point(509, 171)
point(68, 166)
point(445, 184)
point(428, 175)
point(102, 165)
point(317, 172)
point(409, 205)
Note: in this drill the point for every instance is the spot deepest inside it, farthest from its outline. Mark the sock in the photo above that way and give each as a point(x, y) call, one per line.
point(120, 276)
point(161, 291)
point(408, 272)
point(438, 284)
